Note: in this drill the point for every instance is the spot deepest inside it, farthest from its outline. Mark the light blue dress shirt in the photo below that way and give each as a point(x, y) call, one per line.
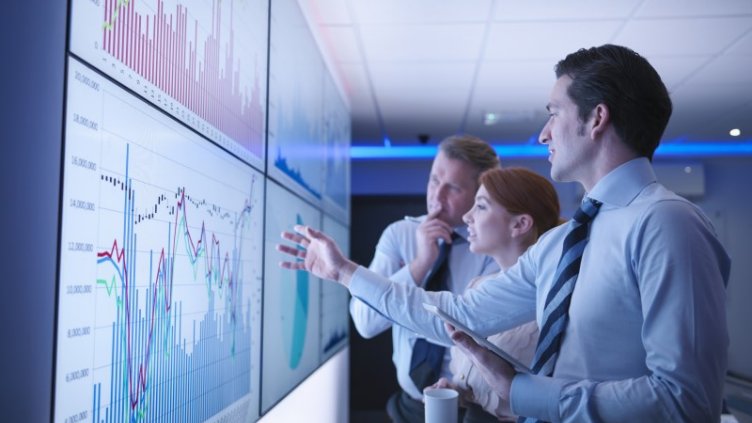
point(646, 339)
point(395, 250)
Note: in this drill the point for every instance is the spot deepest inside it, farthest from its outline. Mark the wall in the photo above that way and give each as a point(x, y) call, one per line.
point(729, 205)
point(33, 34)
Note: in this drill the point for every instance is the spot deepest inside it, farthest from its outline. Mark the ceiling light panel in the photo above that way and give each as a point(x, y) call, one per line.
point(545, 40)
point(682, 36)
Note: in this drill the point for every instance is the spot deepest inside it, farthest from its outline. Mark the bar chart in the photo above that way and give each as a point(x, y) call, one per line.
point(202, 62)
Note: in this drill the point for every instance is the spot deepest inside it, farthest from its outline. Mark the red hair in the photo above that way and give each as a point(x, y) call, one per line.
point(521, 191)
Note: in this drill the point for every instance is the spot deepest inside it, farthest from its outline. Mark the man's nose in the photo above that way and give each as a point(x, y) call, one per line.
point(545, 135)
point(441, 194)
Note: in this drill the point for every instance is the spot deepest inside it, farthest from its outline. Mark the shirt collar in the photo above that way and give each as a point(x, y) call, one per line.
point(622, 185)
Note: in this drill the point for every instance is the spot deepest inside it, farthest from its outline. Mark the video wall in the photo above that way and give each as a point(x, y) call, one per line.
point(188, 148)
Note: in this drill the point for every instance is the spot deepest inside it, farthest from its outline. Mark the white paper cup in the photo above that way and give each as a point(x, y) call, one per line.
point(441, 405)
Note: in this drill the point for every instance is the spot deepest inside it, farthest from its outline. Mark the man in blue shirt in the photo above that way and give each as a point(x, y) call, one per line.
point(646, 336)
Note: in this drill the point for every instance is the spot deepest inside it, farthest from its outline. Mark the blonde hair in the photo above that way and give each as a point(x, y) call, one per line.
point(472, 150)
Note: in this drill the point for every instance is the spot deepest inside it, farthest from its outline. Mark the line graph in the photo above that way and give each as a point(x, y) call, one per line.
point(160, 267)
point(203, 62)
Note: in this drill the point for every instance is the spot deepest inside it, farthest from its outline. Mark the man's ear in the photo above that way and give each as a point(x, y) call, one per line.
point(600, 119)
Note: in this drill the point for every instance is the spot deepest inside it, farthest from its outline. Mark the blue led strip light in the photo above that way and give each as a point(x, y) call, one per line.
point(693, 149)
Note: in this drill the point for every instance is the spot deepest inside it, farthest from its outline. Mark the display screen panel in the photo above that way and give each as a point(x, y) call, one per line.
point(203, 62)
point(291, 302)
point(159, 310)
point(296, 104)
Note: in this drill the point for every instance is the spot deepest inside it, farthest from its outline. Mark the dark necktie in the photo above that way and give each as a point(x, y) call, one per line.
point(556, 309)
point(427, 358)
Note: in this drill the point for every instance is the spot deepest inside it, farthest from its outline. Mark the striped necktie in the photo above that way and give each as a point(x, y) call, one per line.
point(556, 309)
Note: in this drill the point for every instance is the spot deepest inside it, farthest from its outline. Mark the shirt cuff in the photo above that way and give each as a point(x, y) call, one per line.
point(536, 397)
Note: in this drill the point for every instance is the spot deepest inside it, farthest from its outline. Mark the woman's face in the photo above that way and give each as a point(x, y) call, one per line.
point(489, 224)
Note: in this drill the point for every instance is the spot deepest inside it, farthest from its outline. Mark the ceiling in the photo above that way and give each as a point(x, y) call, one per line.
point(436, 67)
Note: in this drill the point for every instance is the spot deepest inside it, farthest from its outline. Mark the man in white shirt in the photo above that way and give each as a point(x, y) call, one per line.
point(408, 249)
point(646, 337)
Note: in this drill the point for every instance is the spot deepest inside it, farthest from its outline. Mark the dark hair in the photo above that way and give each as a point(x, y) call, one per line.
point(628, 85)
point(471, 150)
point(521, 191)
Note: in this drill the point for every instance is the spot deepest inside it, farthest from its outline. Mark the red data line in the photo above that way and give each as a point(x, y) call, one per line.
point(183, 63)
point(181, 57)
point(158, 45)
point(159, 53)
point(114, 28)
point(147, 52)
point(132, 34)
point(119, 34)
point(173, 50)
point(163, 49)
point(140, 48)
point(125, 9)
point(170, 55)
point(177, 66)
point(127, 33)
point(137, 44)
point(194, 69)
point(187, 75)
point(153, 47)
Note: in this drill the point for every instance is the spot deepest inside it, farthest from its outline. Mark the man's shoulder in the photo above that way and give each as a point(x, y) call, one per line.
point(661, 206)
point(401, 228)
point(398, 235)
point(658, 199)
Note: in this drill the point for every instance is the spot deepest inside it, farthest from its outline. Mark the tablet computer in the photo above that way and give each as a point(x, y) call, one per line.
point(478, 338)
